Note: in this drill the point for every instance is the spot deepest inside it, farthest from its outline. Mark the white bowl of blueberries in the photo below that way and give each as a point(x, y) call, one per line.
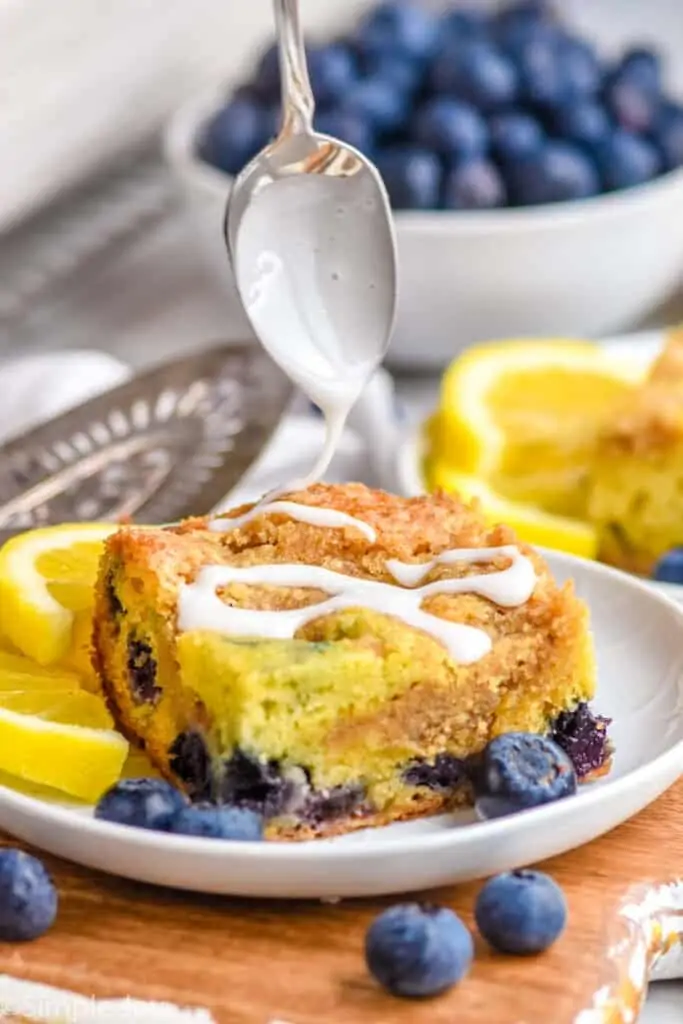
point(538, 188)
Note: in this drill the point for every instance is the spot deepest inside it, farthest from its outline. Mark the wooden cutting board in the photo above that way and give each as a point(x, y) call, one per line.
point(251, 962)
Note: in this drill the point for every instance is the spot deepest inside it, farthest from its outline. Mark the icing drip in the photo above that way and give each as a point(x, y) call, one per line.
point(311, 514)
point(200, 607)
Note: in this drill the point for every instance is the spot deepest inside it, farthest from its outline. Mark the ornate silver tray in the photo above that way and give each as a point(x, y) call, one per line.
point(170, 443)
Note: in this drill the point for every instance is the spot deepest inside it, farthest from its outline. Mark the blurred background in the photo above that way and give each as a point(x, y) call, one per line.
point(97, 243)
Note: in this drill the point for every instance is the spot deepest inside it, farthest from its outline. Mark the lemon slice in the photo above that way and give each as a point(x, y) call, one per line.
point(46, 580)
point(529, 523)
point(54, 733)
point(524, 415)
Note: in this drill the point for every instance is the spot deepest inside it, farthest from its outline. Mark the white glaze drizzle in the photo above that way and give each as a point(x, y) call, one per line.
point(200, 607)
point(331, 518)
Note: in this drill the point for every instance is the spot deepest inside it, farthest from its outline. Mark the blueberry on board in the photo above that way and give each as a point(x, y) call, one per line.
point(558, 172)
point(586, 123)
point(398, 27)
point(581, 68)
point(521, 770)
point(238, 823)
point(346, 126)
point(625, 159)
point(521, 912)
point(632, 107)
point(450, 127)
point(332, 71)
point(376, 101)
point(643, 65)
point(514, 135)
point(476, 72)
point(142, 803)
point(668, 136)
point(235, 135)
point(412, 177)
point(474, 185)
point(416, 951)
point(669, 568)
point(28, 898)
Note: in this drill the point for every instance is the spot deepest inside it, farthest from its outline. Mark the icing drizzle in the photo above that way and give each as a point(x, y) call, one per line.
point(200, 607)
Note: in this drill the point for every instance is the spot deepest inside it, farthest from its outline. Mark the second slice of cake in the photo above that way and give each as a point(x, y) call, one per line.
point(338, 660)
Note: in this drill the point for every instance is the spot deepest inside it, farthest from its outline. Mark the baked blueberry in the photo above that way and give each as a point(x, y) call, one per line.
point(668, 135)
point(521, 912)
point(587, 124)
point(237, 823)
point(474, 185)
point(452, 128)
point(558, 172)
point(669, 568)
point(625, 159)
point(583, 737)
point(521, 770)
point(28, 898)
point(416, 951)
point(332, 71)
point(142, 803)
point(412, 177)
point(400, 27)
point(235, 135)
point(515, 134)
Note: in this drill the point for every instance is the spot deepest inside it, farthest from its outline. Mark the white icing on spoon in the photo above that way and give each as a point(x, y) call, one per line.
point(200, 607)
point(312, 514)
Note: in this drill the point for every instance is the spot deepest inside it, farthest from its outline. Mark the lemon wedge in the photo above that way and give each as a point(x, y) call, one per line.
point(523, 415)
point(55, 734)
point(46, 581)
point(530, 524)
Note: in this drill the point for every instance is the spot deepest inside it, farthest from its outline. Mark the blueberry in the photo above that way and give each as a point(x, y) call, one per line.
point(644, 66)
point(587, 124)
point(463, 24)
point(28, 898)
point(521, 912)
point(416, 951)
point(451, 128)
point(412, 177)
point(668, 136)
point(624, 160)
point(474, 185)
point(632, 107)
point(376, 101)
point(543, 81)
point(476, 72)
point(346, 126)
point(581, 66)
point(332, 70)
point(266, 80)
point(669, 568)
point(583, 737)
point(518, 26)
point(558, 172)
point(235, 135)
point(142, 803)
point(398, 27)
point(403, 75)
point(515, 135)
point(218, 823)
point(521, 770)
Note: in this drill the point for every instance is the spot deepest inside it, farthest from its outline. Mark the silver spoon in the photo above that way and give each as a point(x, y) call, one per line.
point(302, 153)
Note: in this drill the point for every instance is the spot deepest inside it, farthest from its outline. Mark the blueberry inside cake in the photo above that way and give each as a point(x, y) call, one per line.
point(338, 659)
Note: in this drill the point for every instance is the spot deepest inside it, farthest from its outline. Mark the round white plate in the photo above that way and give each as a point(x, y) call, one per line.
point(639, 640)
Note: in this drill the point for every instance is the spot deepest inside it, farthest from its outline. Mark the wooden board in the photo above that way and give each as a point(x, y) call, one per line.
point(251, 962)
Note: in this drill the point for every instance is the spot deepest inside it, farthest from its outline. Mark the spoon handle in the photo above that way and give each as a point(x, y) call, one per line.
point(297, 95)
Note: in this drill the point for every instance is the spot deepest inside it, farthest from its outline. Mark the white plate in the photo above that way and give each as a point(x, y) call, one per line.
point(639, 639)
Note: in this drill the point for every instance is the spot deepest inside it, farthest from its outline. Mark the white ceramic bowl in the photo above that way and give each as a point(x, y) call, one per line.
point(584, 268)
